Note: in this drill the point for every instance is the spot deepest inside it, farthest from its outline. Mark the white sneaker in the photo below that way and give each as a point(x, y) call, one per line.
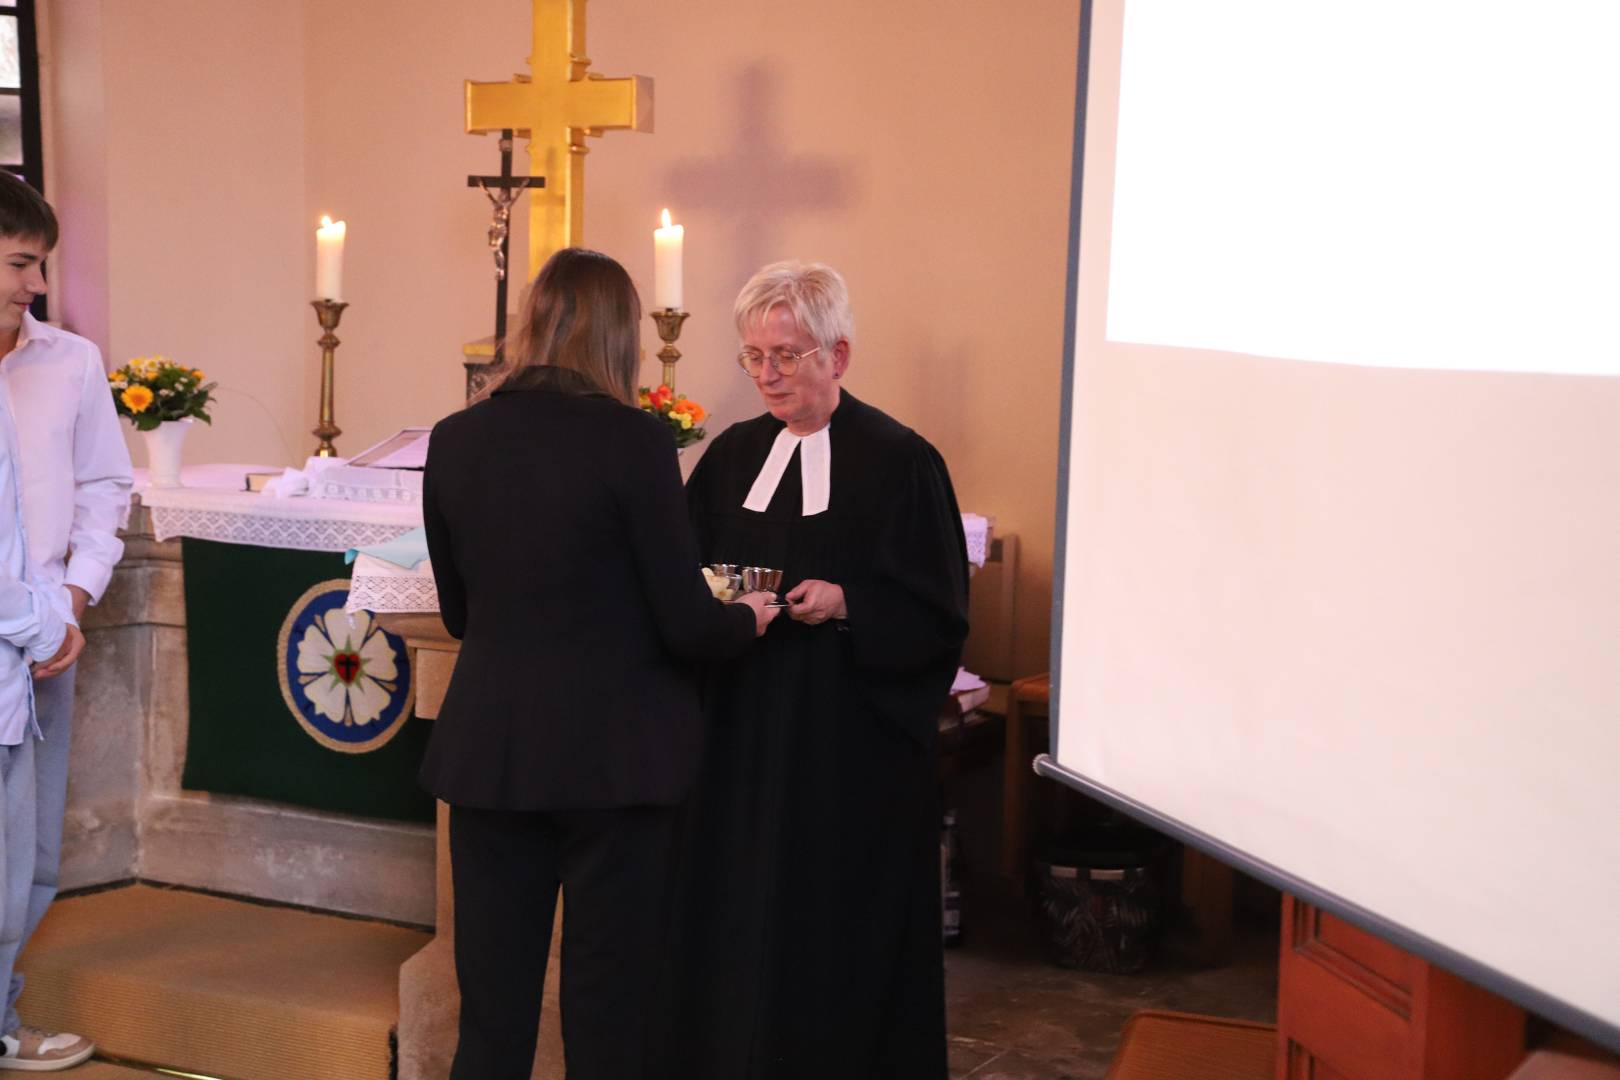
point(29, 1049)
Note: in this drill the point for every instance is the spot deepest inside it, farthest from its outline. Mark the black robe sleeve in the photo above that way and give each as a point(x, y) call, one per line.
point(907, 618)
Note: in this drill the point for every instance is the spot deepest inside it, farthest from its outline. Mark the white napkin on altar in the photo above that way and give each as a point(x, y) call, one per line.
point(295, 482)
point(815, 471)
point(291, 482)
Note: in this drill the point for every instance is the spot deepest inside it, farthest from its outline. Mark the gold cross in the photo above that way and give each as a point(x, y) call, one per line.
point(556, 108)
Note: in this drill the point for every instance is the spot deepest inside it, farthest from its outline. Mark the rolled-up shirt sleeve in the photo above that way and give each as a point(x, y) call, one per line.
point(27, 618)
point(101, 487)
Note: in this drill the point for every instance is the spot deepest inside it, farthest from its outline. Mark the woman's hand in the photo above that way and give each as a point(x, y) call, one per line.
point(816, 601)
point(762, 614)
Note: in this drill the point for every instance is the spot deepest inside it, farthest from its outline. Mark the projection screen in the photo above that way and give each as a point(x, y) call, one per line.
point(1338, 588)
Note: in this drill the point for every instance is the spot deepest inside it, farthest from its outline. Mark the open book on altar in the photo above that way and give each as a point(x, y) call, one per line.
point(405, 449)
point(390, 471)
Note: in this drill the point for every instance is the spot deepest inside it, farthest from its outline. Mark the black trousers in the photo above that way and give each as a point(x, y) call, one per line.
point(613, 867)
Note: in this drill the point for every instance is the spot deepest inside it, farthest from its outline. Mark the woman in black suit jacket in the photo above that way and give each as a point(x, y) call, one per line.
point(571, 729)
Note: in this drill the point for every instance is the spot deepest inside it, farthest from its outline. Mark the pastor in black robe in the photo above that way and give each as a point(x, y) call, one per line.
point(807, 911)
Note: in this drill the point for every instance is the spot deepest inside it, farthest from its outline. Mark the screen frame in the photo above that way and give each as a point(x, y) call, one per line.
point(1482, 975)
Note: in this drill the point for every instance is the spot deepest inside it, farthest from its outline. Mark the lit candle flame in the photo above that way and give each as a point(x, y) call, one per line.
point(326, 221)
point(666, 217)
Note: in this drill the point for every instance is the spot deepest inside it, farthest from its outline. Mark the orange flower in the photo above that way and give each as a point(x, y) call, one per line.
point(136, 398)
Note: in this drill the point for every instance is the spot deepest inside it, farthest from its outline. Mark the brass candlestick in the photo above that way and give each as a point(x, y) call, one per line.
point(669, 328)
point(328, 312)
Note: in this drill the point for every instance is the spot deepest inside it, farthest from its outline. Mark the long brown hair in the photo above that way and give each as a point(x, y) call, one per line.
point(581, 313)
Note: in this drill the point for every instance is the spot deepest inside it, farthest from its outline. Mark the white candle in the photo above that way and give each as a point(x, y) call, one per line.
point(667, 243)
point(329, 259)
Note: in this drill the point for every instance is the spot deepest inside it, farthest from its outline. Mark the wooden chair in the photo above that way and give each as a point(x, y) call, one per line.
point(1027, 702)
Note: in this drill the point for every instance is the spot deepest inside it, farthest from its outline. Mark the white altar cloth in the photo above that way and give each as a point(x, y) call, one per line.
point(211, 505)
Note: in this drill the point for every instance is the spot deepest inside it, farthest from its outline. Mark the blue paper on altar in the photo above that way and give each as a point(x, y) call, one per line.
point(407, 550)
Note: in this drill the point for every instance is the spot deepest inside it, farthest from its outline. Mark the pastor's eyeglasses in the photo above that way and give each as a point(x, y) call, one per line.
point(785, 361)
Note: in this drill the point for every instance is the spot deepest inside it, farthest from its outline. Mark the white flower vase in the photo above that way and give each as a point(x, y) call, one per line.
point(163, 445)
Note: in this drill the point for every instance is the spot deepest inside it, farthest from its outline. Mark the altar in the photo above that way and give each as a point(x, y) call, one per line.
point(291, 699)
point(354, 835)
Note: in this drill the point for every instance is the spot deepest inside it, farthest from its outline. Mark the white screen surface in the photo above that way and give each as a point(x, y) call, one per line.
point(1357, 620)
point(1405, 183)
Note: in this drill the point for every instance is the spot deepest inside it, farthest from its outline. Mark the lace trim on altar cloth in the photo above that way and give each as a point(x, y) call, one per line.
point(299, 534)
point(211, 511)
point(392, 595)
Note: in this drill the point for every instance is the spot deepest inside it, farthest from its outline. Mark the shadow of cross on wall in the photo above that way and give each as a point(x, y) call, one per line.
point(759, 182)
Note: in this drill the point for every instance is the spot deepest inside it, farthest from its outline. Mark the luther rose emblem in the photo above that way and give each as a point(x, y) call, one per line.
point(346, 680)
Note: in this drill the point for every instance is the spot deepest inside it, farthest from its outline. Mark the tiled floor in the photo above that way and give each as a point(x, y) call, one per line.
point(1013, 1015)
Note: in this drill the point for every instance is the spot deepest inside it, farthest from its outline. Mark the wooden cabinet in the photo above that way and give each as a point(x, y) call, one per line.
point(1351, 1006)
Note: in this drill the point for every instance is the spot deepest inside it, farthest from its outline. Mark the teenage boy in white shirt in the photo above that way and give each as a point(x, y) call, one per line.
point(74, 474)
point(34, 639)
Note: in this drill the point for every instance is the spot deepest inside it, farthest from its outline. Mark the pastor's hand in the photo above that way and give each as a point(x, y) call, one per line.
point(72, 646)
point(763, 616)
point(815, 601)
point(81, 600)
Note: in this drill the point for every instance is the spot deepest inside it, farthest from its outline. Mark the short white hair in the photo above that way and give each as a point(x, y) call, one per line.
point(814, 292)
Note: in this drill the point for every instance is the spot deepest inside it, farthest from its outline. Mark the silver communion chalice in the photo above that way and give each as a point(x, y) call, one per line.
point(763, 579)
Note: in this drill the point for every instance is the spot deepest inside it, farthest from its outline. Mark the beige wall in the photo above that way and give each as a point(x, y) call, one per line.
point(188, 243)
point(921, 146)
point(388, 154)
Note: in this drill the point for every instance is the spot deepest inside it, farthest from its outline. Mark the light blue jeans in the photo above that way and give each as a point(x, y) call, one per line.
point(35, 780)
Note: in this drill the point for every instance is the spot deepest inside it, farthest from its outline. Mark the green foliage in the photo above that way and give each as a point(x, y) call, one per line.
point(151, 389)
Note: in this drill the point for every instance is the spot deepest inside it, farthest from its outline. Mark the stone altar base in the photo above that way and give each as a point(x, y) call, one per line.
point(128, 818)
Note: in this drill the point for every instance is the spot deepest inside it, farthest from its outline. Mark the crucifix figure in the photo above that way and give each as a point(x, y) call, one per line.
point(557, 106)
point(502, 191)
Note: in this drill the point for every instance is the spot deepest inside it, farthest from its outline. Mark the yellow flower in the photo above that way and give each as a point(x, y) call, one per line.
point(136, 398)
point(685, 419)
point(196, 373)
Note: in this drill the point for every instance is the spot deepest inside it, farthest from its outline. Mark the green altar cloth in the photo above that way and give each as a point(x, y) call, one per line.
point(289, 700)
